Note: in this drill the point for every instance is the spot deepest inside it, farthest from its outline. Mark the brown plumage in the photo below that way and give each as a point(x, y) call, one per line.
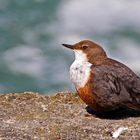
point(110, 85)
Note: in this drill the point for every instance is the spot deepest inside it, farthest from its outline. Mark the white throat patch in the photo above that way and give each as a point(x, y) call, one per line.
point(80, 69)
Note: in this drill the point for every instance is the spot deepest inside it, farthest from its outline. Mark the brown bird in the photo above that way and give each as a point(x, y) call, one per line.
point(101, 82)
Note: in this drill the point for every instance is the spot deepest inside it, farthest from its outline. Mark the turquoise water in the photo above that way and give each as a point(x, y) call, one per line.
point(32, 31)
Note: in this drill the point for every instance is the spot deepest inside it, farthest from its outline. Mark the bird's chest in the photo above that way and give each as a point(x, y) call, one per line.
point(79, 73)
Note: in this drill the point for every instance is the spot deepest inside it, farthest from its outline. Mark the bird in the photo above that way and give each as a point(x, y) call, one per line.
point(104, 84)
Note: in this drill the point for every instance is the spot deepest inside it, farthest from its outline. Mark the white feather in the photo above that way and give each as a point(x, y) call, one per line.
point(119, 131)
point(80, 69)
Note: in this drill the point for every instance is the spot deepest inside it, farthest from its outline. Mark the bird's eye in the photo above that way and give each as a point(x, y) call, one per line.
point(84, 46)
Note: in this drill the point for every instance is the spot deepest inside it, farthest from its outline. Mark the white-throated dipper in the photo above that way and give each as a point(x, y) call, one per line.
point(102, 83)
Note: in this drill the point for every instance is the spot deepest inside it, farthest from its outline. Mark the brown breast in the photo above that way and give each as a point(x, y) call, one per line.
point(86, 93)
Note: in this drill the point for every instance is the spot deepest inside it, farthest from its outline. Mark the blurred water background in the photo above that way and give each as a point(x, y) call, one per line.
point(32, 31)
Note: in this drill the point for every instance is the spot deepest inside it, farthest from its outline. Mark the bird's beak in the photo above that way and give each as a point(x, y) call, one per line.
point(68, 46)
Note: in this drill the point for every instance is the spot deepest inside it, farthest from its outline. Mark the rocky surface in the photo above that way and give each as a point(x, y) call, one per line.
point(31, 116)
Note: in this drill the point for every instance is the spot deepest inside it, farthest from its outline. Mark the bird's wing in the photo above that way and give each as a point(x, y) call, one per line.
point(117, 83)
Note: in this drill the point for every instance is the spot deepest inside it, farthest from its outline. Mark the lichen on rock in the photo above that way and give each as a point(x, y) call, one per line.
point(62, 116)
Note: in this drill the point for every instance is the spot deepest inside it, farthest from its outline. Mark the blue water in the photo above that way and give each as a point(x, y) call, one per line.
point(31, 34)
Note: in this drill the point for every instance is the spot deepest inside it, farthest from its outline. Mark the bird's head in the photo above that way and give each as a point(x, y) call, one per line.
point(89, 51)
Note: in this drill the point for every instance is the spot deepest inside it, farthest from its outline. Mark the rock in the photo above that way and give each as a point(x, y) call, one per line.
point(31, 116)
